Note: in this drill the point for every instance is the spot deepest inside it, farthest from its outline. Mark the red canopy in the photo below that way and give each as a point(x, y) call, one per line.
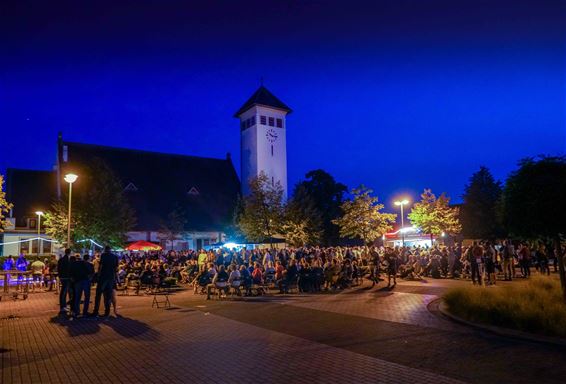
point(143, 246)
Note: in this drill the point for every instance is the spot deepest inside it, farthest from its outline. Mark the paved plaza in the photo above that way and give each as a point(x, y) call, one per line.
point(357, 336)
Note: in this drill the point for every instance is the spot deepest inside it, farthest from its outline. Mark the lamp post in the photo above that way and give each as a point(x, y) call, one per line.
point(70, 178)
point(401, 203)
point(39, 214)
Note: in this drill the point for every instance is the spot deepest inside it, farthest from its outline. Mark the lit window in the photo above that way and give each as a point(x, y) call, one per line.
point(263, 120)
point(271, 122)
point(279, 123)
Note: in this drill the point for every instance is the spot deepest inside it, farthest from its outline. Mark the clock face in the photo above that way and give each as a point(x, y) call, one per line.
point(271, 135)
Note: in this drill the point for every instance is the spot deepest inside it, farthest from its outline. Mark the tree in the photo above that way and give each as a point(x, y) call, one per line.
point(479, 212)
point(362, 218)
point(100, 209)
point(262, 209)
point(302, 222)
point(533, 204)
point(435, 215)
point(55, 222)
point(320, 197)
point(174, 226)
point(4, 206)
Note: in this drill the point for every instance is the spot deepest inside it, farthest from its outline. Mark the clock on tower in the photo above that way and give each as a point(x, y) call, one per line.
point(263, 139)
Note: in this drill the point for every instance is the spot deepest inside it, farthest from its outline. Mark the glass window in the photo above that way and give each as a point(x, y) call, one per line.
point(24, 247)
point(271, 122)
point(279, 123)
point(243, 124)
point(46, 245)
point(263, 120)
point(253, 120)
point(34, 246)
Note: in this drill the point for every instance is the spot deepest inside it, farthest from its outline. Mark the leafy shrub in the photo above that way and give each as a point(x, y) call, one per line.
point(533, 306)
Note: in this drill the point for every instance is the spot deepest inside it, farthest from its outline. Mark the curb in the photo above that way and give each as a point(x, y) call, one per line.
point(505, 332)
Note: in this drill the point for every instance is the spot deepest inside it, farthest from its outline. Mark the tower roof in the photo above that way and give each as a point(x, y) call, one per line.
point(265, 98)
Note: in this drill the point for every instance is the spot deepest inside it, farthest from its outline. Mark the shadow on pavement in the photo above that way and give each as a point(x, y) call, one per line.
point(124, 326)
point(127, 327)
point(77, 327)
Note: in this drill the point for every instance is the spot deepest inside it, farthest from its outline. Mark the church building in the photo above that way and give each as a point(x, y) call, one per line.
point(206, 190)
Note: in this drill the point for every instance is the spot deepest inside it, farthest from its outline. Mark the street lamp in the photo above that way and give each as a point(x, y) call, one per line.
point(401, 203)
point(70, 178)
point(39, 214)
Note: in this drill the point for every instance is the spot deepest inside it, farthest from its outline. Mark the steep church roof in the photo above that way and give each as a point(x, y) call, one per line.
point(156, 184)
point(265, 98)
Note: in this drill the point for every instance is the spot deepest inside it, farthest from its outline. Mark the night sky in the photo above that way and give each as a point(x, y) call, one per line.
point(398, 95)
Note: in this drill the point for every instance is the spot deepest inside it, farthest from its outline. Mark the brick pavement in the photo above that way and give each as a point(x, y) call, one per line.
point(406, 303)
point(177, 345)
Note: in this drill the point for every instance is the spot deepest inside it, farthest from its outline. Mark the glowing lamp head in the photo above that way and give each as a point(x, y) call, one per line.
point(39, 213)
point(71, 178)
point(402, 202)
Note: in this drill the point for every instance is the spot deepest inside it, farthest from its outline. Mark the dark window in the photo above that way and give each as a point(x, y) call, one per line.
point(263, 120)
point(271, 122)
point(279, 123)
point(272, 181)
point(272, 151)
point(24, 247)
point(46, 245)
point(243, 124)
point(253, 120)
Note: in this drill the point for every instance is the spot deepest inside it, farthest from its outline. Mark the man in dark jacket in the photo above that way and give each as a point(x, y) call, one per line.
point(106, 280)
point(81, 274)
point(63, 269)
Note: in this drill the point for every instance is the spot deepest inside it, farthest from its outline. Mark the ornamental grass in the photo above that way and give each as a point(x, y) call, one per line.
point(534, 305)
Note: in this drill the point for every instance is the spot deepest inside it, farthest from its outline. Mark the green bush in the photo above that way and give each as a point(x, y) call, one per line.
point(533, 306)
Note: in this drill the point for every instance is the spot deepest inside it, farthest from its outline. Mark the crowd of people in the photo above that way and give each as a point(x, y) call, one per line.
point(253, 271)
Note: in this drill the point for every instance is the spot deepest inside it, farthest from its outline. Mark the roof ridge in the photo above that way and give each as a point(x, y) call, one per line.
point(141, 150)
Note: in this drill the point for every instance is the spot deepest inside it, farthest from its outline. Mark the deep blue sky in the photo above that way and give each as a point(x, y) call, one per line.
point(398, 95)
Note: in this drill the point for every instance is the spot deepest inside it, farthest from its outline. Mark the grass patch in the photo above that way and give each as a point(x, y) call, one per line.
point(534, 306)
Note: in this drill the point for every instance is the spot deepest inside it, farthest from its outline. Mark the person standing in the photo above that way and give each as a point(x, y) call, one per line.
point(474, 256)
point(81, 273)
point(508, 254)
point(106, 280)
point(63, 270)
point(392, 259)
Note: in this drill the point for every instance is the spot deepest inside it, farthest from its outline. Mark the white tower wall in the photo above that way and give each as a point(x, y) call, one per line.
point(264, 146)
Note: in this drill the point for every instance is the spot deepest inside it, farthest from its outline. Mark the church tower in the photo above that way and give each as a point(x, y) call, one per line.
point(263, 139)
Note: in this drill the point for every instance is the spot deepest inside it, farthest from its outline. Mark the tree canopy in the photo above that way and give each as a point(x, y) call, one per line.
point(435, 215)
point(262, 209)
point(479, 212)
point(5, 206)
point(319, 197)
point(362, 217)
